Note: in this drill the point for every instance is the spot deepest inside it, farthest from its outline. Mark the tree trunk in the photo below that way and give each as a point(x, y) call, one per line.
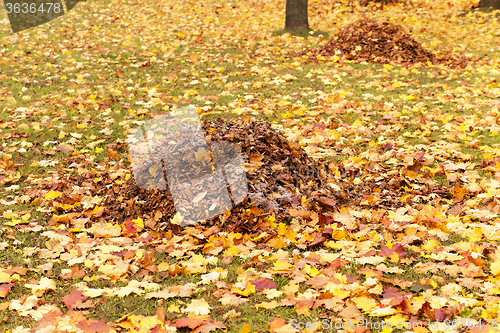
point(296, 15)
point(488, 3)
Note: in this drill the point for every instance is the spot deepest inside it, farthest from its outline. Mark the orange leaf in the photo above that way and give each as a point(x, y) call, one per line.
point(192, 323)
point(5, 288)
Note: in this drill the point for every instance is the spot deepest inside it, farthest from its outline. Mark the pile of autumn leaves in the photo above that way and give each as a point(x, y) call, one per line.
point(280, 177)
point(380, 43)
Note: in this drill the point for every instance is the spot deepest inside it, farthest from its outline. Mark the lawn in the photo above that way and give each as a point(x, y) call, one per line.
point(414, 241)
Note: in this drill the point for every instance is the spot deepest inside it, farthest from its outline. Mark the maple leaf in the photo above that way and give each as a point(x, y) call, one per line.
point(202, 155)
point(345, 218)
point(263, 283)
point(92, 325)
point(209, 327)
point(365, 303)
point(198, 307)
point(75, 299)
point(276, 323)
point(268, 305)
point(350, 312)
point(44, 285)
point(244, 291)
point(231, 314)
point(5, 288)
point(74, 273)
point(165, 294)
point(52, 195)
point(230, 299)
point(495, 267)
point(192, 323)
point(388, 250)
point(255, 163)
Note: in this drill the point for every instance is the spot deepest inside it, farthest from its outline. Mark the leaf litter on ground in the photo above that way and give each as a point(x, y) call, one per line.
point(413, 152)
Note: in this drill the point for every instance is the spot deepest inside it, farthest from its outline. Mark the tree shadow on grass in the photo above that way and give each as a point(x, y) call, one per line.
point(479, 9)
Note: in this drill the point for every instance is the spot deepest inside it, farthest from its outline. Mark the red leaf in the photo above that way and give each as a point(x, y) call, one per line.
point(325, 220)
point(276, 323)
point(92, 325)
point(75, 299)
point(263, 283)
point(387, 252)
point(208, 327)
point(391, 292)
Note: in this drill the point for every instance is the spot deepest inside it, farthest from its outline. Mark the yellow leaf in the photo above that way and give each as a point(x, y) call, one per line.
point(365, 303)
point(336, 292)
point(282, 228)
point(382, 312)
point(245, 329)
point(358, 123)
point(139, 222)
point(39, 289)
point(163, 267)
point(495, 267)
point(52, 195)
point(396, 319)
point(4, 277)
point(311, 271)
point(431, 245)
point(281, 267)
point(250, 289)
point(173, 308)
point(268, 305)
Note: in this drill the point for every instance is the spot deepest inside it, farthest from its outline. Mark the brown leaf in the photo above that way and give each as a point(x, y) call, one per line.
point(160, 313)
point(171, 77)
point(350, 312)
point(65, 148)
point(327, 203)
point(299, 213)
point(318, 239)
point(112, 154)
point(318, 282)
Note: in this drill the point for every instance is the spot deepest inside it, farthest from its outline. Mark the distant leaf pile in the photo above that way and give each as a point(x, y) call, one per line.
point(381, 43)
point(278, 174)
point(383, 2)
